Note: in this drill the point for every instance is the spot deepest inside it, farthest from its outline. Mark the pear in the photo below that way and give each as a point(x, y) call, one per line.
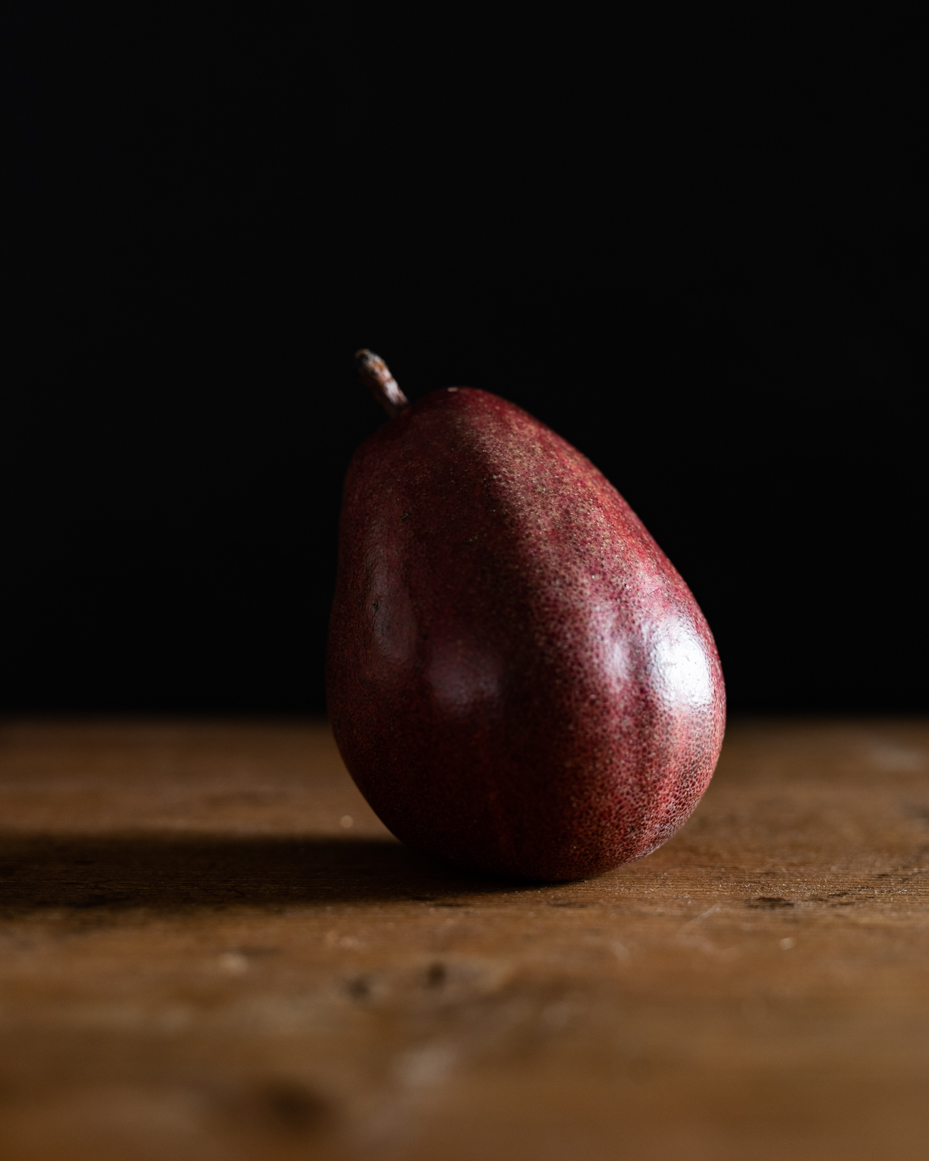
point(518, 679)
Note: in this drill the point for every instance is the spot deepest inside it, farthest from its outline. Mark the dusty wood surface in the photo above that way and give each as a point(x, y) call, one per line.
point(211, 949)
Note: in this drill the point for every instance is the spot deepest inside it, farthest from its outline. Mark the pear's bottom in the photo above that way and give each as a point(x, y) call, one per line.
point(544, 841)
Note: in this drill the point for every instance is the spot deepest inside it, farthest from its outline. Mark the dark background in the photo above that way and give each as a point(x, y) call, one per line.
point(697, 251)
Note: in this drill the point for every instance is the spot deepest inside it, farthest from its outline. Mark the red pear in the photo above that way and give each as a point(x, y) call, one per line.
point(518, 679)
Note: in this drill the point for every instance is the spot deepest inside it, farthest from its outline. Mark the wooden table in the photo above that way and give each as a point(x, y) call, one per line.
point(210, 948)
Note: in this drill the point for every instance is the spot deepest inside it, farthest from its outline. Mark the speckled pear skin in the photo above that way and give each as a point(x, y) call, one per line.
point(518, 679)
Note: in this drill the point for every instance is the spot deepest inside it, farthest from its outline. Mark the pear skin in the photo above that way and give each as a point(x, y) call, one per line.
point(518, 679)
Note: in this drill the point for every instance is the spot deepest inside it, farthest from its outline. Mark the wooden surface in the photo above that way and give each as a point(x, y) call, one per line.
point(211, 949)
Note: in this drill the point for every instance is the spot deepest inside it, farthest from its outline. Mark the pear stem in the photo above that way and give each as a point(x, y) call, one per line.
point(374, 373)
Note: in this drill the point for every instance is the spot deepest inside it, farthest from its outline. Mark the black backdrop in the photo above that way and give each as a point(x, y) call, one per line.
point(696, 252)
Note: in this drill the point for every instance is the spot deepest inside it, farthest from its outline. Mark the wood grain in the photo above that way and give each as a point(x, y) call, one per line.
point(210, 948)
